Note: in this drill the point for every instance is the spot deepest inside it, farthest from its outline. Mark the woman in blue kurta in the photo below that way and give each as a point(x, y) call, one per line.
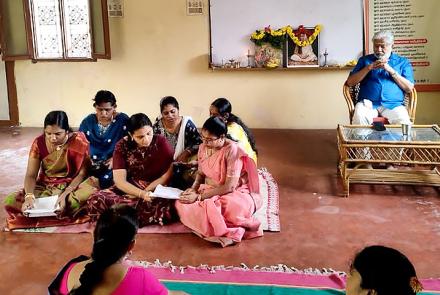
point(104, 129)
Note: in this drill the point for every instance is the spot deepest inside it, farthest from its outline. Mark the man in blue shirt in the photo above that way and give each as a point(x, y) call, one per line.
point(384, 78)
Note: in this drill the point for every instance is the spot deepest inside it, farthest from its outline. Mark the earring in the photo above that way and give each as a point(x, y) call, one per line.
point(127, 255)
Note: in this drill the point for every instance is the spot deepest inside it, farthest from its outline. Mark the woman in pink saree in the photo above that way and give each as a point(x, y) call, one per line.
point(220, 205)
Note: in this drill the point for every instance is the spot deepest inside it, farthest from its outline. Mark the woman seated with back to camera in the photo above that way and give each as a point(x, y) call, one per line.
point(379, 270)
point(103, 130)
point(107, 271)
point(220, 205)
point(141, 161)
point(184, 138)
point(57, 165)
point(222, 108)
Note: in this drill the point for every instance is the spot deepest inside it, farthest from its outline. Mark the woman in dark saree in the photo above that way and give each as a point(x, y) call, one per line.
point(183, 136)
point(141, 161)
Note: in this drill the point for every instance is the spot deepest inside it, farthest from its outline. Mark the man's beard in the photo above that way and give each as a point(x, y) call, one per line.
point(382, 56)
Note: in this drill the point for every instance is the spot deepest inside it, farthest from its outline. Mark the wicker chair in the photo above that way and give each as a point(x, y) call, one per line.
point(351, 98)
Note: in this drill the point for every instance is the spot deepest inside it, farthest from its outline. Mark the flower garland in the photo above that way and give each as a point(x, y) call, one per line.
point(267, 35)
point(309, 40)
point(260, 34)
point(275, 37)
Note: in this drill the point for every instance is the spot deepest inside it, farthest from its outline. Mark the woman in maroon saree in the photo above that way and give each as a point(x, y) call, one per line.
point(141, 161)
point(57, 165)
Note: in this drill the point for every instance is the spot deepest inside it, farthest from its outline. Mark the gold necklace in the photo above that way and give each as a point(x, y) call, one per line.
point(209, 157)
point(59, 146)
point(142, 150)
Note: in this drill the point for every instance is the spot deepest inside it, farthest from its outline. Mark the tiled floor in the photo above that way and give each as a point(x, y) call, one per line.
point(319, 228)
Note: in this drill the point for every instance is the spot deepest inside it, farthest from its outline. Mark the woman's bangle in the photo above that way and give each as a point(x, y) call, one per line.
point(146, 195)
point(195, 185)
point(29, 196)
point(394, 74)
point(143, 194)
point(69, 189)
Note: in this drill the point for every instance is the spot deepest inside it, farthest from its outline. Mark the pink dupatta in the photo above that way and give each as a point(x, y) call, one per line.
point(235, 161)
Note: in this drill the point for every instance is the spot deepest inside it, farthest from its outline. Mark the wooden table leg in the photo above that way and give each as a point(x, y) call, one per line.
point(344, 178)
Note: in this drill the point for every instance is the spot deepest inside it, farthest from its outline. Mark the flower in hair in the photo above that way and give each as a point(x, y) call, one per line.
point(415, 284)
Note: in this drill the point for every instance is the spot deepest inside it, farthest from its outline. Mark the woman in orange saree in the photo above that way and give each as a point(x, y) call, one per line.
point(220, 205)
point(57, 165)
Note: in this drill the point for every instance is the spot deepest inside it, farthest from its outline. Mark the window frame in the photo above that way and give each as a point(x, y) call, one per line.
point(30, 41)
point(6, 56)
point(106, 32)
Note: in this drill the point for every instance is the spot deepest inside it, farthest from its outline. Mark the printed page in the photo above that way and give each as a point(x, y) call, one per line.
point(167, 192)
point(43, 207)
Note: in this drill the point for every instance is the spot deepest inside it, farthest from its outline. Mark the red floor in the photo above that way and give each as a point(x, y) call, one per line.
point(319, 228)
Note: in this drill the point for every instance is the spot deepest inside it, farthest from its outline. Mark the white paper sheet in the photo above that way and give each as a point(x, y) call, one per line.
point(43, 207)
point(166, 192)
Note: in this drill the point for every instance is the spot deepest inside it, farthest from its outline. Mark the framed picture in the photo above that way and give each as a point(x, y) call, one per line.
point(302, 56)
point(268, 56)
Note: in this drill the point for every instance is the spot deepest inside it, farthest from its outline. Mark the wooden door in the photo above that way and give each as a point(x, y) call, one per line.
point(8, 95)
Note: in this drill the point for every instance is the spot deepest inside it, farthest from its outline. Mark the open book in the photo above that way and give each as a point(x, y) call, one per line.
point(166, 192)
point(44, 206)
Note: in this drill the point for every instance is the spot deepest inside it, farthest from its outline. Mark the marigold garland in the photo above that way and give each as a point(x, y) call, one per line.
point(273, 36)
point(267, 35)
point(309, 40)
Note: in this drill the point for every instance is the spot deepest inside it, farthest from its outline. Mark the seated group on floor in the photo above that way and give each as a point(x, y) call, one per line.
point(114, 159)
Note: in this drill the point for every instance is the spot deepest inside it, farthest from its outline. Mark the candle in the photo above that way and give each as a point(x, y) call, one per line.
point(249, 52)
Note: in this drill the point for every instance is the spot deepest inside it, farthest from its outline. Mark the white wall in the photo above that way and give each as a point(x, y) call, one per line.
point(4, 103)
point(158, 50)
